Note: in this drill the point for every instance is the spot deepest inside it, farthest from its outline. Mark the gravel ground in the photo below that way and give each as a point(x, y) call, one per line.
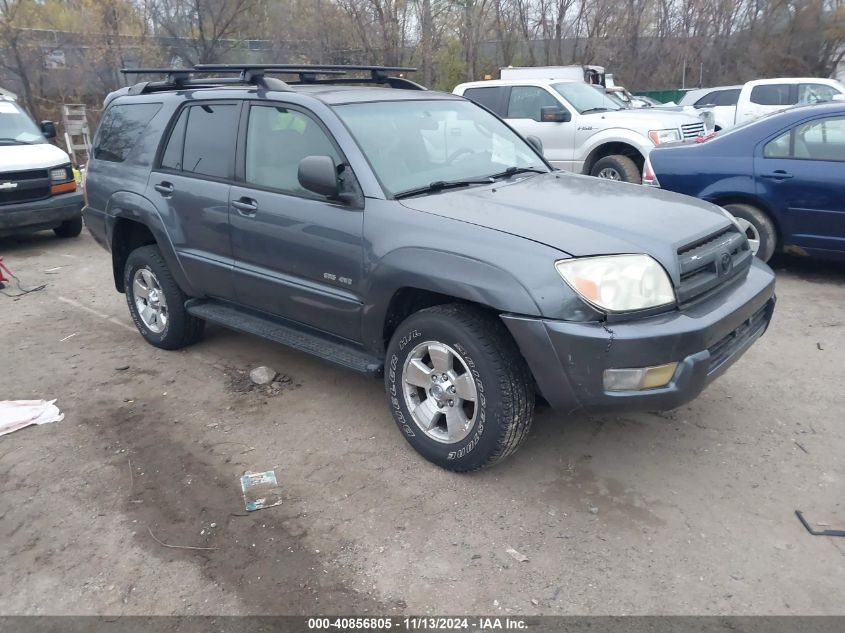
point(686, 512)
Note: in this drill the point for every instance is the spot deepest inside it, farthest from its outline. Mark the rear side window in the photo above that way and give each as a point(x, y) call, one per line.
point(120, 129)
point(772, 94)
point(203, 139)
point(525, 102)
point(490, 97)
point(820, 139)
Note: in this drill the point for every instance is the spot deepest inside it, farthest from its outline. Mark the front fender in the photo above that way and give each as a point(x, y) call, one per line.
point(444, 273)
point(614, 135)
point(126, 205)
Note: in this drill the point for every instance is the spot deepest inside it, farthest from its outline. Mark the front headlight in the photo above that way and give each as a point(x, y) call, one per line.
point(618, 283)
point(61, 174)
point(664, 136)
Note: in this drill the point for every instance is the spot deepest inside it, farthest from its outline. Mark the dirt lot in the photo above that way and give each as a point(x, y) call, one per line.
point(683, 512)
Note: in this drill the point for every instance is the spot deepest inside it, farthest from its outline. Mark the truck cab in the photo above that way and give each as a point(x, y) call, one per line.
point(581, 127)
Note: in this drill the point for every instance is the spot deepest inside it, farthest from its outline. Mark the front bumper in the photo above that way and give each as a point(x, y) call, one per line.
point(40, 214)
point(568, 359)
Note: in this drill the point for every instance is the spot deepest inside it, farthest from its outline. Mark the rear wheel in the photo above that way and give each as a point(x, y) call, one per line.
point(69, 228)
point(156, 302)
point(617, 167)
point(758, 227)
point(458, 387)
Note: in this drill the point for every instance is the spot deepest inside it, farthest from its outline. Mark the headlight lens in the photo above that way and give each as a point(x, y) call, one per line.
point(61, 174)
point(618, 283)
point(664, 136)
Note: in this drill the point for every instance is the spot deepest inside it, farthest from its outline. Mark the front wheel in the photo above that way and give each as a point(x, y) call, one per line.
point(69, 228)
point(458, 387)
point(617, 167)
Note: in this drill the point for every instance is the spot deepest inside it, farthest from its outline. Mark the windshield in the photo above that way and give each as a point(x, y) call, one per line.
point(412, 144)
point(585, 98)
point(16, 127)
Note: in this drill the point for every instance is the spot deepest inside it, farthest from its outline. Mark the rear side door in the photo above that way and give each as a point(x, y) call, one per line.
point(190, 188)
point(801, 173)
point(524, 104)
point(296, 254)
point(763, 99)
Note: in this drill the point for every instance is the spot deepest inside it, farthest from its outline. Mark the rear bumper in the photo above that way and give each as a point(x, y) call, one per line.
point(568, 359)
point(41, 214)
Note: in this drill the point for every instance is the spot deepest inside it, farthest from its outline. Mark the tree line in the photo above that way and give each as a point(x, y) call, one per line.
point(52, 51)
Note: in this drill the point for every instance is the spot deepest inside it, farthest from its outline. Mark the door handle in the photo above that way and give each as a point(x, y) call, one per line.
point(245, 206)
point(164, 188)
point(778, 174)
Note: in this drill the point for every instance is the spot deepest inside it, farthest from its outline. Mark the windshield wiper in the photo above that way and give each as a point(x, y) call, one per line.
point(440, 185)
point(588, 110)
point(13, 141)
point(510, 171)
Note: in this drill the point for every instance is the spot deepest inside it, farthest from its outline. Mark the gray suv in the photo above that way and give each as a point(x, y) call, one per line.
point(414, 235)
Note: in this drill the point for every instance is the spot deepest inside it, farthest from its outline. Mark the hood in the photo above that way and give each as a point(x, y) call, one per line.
point(38, 156)
point(651, 118)
point(582, 215)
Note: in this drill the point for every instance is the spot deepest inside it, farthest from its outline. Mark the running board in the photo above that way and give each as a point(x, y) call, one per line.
point(285, 332)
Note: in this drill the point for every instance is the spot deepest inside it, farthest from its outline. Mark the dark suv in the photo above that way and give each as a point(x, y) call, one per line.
point(413, 234)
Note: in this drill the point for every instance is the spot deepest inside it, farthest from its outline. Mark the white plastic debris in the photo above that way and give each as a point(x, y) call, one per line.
point(261, 490)
point(17, 414)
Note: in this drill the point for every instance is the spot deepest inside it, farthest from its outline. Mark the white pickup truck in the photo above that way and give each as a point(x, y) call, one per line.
point(581, 128)
point(733, 105)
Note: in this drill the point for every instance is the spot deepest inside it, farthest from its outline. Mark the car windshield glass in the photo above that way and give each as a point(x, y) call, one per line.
point(412, 144)
point(585, 98)
point(16, 127)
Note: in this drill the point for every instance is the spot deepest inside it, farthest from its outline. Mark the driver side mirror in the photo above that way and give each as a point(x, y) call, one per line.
point(48, 129)
point(536, 143)
point(554, 114)
point(319, 174)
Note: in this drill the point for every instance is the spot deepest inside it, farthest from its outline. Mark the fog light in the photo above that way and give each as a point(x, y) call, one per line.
point(639, 378)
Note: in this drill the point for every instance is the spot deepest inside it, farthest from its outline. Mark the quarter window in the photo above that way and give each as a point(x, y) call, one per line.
point(525, 102)
point(278, 139)
point(172, 157)
point(120, 129)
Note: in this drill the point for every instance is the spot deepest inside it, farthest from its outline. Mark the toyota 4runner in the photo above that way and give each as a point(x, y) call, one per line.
point(413, 234)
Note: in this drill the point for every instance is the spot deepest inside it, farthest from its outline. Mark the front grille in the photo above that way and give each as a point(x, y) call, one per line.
point(692, 130)
point(24, 186)
point(707, 264)
point(725, 348)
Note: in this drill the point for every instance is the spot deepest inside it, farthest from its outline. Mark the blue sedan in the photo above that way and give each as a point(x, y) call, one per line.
point(782, 177)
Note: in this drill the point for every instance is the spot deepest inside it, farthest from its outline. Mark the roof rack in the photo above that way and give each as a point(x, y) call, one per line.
point(308, 73)
point(255, 74)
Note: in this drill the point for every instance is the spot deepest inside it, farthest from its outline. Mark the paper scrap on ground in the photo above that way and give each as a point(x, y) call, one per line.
point(260, 490)
point(17, 414)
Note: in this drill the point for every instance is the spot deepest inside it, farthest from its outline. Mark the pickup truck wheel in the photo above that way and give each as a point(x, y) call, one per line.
point(759, 229)
point(617, 167)
point(458, 387)
point(69, 228)
point(156, 302)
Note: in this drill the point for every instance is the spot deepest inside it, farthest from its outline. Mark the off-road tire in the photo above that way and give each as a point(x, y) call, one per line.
point(182, 328)
point(624, 166)
point(762, 224)
point(69, 228)
point(505, 387)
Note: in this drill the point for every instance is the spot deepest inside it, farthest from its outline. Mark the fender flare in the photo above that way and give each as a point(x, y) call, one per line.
point(126, 205)
point(615, 135)
point(442, 272)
